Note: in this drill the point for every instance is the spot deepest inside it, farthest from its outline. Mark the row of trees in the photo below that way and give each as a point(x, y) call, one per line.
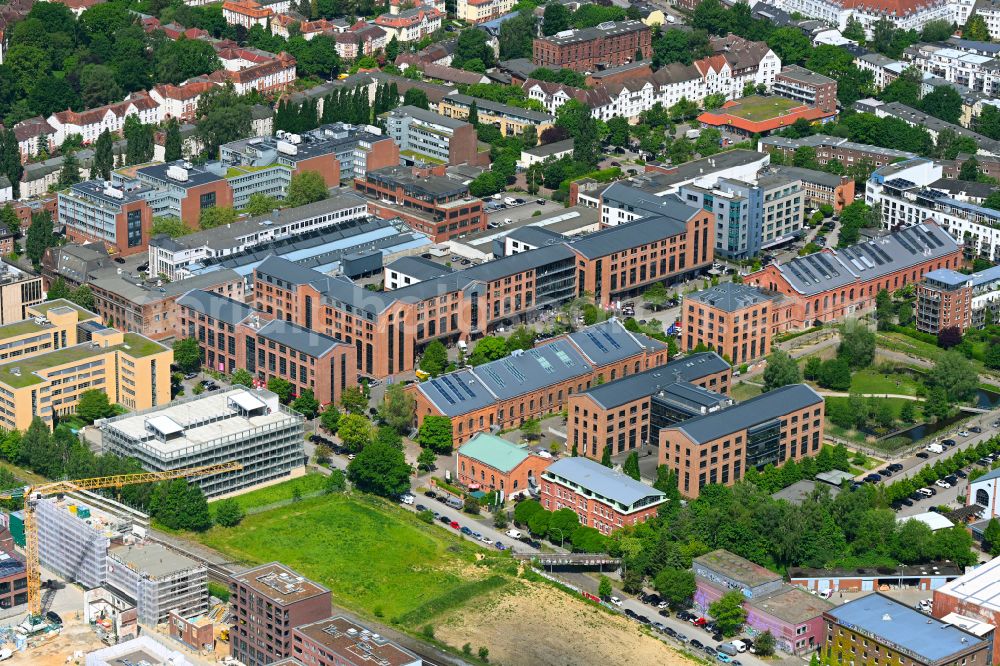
point(561, 526)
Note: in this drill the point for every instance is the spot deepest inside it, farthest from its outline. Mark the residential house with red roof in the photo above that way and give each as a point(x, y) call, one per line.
point(410, 25)
point(90, 123)
point(246, 13)
point(361, 40)
point(181, 101)
point(398, 6)
point(903, 14)
point(277, 73)
point(33, 135)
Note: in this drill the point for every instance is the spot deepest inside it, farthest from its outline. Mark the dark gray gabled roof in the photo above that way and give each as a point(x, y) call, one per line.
point(298, 338)
point(286, 270)
point(457, 393)
point(216, 306)
point(689, 369)
point(633, 234)
point(766, 407)
point(606, 342)
point(830, 269)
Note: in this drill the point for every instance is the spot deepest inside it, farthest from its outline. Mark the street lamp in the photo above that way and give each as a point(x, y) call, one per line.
point(562, 537)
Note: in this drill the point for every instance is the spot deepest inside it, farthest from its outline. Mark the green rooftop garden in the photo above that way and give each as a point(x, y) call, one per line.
point(758, 109)
point(420, 156)
point(82, 314)
point(138, 347)
point(19, 328)
point(237, 171)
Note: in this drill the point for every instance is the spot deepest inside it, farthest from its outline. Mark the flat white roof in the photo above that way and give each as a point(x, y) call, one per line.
point(935, 521)
point(979, 586)
point(247, 400)
point(198, 420)
point(164, 424)
point(971, 625)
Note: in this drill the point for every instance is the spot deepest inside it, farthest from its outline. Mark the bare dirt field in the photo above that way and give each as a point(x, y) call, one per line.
point(537, 624)
point(74, 637)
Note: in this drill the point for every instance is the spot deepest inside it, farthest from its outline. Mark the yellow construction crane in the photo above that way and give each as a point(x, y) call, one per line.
point(32, 494)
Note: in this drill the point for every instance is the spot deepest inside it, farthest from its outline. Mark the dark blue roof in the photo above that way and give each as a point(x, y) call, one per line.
point(923, 637)
point(771, 405)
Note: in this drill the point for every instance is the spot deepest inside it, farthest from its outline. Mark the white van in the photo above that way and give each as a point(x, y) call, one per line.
point(739, 645)
point(935, 448)
point(510, 201)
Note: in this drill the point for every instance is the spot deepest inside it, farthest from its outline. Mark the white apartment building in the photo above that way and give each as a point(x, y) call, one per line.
point(904, 194)
point(904, 14)
point(975, 72)
point(90, 123)
point(411, 25)
point(480, 11)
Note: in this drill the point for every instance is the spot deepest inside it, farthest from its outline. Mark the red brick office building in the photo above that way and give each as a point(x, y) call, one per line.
point(268, 602)
point(735, 320)
point(771, 429)
point(609, 44)
point(835, 284)
point(425, 199)
point(233, 335)
point(603, 498)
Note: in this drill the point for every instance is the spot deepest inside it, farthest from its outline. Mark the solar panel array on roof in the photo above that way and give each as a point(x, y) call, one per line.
point(514, 370)
point(906, 245)
point(597, 343)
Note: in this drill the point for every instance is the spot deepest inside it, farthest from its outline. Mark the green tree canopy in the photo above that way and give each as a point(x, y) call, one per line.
point(187, 354)
point(781, 370)
point(435, 433)
point(379, 469)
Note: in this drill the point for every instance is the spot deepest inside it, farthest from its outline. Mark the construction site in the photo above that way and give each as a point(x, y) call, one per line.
point(98, 588)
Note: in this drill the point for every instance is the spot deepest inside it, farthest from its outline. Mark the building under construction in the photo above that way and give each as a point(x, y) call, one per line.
point(76, 531)
point(157, 580)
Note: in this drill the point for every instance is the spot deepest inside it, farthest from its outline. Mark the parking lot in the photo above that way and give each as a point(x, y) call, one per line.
point(516, 213)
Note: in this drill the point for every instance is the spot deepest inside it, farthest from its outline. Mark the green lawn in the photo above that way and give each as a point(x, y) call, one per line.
point(872, 381)
point(744, 391)
point(280, 492)
point(374, 557)
point(855, 435)
point(757, 109)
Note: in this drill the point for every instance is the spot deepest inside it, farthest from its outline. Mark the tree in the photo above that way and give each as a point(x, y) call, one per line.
point(835, 374)
point(222, 116)
point(380, 469)
point(388, 435)
point(781, 370)
point(104, 158)
point(416, 97)
point(435, 358)
point(426, 460)
point(172, 144)
point(94, 405)
point(813, 368)
point(854, 29)
point(335, 483)
point(306, 404)
point(805, 157)
point(969, 170)
point(58, 289)
point(525, 510)
point(515, 39)
point(10, 221)
point(435, 433)
point(282, 388)
point(228, 512)
point(676, 586)
point(187, 354)
point(305, 188)
point(473, 114)
point(976, 29)
point(604, 586)
point(355, 431)
point(70, 172)
point(530, 136)
point(991, 538)
point(354, 400)
point(218, 216)
point(631, 466)
point(764, 647)
point(556, 18)
point(489, 348)
point(729, 612)
point(472, 46)
point(943, 102)
point(709, 142)
point(606, 456)
point(330, 418)
point(179, 60)
point(857, 345)
point(40, 236)
point(242, 377)
point(956, 375)
point(398, 408)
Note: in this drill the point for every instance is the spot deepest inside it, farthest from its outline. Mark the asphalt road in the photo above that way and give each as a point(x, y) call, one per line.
point(481, 524)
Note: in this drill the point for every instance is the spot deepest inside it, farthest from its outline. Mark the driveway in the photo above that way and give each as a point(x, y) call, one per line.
point(482, 524)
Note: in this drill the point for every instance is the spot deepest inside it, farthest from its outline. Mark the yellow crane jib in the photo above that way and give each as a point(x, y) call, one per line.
point(36, 492)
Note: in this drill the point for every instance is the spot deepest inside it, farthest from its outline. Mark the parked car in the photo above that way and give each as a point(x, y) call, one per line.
point(430, 493)
point(696, 644)
point(906, 501)
point(873, 478)
point(466, 530)
point(723, 657)
point(454, 525)
point(963, 433)
point(420, 507)
point(923, 454)
point(486, 540)
point(960, 473)
point(976, 429)
point(941, 483)
point(500, 546)
point(660, 627)
point(896, 467)
point(699, 622)
point(645, 620)
point(445, 519)
point(615, 601)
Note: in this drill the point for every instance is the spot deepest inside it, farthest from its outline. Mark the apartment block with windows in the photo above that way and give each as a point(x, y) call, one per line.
point(735, 320)
point(94, 210)
point(268, 602)
point(771, 429)
point(131, 369)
